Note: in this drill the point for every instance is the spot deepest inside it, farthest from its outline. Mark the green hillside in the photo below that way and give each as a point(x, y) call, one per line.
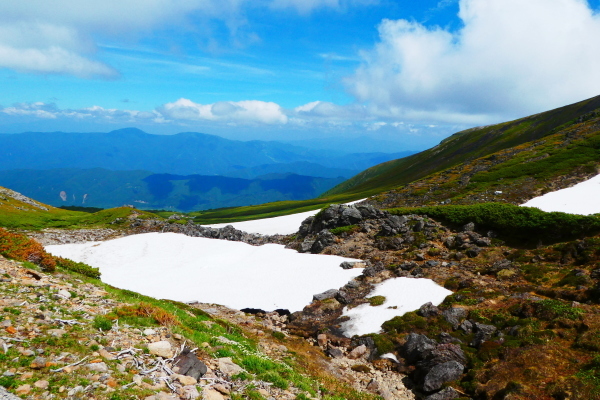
point(466, 146)
point(20, 212)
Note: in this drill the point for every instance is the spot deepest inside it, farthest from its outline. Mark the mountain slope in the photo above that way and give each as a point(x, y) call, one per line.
point(513, 175)
point(463, 147)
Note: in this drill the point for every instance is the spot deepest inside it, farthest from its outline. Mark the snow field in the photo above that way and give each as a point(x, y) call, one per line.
point(234, 274)
point(284, 225)
point(406, 294)
point(579, 199)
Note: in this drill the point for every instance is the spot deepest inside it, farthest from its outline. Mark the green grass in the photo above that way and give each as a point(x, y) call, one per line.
point(269, 210)
point(513, 223)
point(464, 146)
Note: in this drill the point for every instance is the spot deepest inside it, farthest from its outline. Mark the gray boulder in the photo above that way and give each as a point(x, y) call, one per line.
point(455, 316)
point(483, 333)
point(189, 364)
point(328, 294)
point(428, 310)
point(417, 347)
point(442, 373)
point(446, 394)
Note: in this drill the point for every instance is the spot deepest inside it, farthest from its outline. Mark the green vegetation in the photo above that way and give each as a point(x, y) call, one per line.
point(376, 300)
point(344, 229)
point(79, 267)
point(469, 145)
point(268, 210)
point(102, 323)
point(513, 223)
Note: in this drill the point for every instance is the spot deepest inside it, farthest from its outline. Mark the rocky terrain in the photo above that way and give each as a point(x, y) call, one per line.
point(512, 304)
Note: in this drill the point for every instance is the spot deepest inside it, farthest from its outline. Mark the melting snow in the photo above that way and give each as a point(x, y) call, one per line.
point(406, 294)
point(579, 199)
point(284, 225)
point(234, 274)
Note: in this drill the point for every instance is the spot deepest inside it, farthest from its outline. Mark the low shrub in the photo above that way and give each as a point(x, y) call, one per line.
point(21, 248)
point(102, 323)
point(344, 229)
point(513, 223)
point(376, 300)
point(79, 267)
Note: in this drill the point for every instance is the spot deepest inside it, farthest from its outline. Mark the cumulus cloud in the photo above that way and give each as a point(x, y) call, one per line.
point(511, 58)
point(50, 111)
point(248, 111)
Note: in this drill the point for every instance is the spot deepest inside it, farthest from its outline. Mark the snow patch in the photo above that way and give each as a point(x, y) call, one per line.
point(234, 274)
point(406, 294)
point(284, 225)
point(579, 199)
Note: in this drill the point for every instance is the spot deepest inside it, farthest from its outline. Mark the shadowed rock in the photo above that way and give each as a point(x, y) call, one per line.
point(189, 364)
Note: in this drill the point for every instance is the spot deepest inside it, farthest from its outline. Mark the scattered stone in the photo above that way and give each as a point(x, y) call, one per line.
point(358, 352)
point(65, 294)
point(38, 363)
point(222, 389)
point(42, 384)
point(184, 379)
point(162, 349)
point(334, 352)
point(23, 390)
point(322, 339)
point(97, 367)
point(56, 332)
point(106, 355)
point(373, 385)
point(228, 367)
point(149, 332)
point(189, 392)
point(211, 394)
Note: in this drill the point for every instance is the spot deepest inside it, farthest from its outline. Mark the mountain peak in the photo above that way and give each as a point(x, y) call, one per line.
point(128, 132)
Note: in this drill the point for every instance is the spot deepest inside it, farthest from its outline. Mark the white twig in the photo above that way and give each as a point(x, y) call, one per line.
point(70, 365)
point(67, 321)
point(13, 339)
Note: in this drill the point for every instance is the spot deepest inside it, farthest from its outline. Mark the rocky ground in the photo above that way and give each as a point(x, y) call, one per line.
point(512, 305)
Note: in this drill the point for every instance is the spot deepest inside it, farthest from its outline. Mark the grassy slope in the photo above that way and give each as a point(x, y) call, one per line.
point(464, 146)
point(17, 214)
point(513, 175)
point(269, 210)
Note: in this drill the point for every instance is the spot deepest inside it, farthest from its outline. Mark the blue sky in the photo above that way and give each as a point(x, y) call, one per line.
point(402, 71)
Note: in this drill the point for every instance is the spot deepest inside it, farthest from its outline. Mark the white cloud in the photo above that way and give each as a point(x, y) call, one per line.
point(247, 111)
point(511, 58)
point(53, 60)
point(59, 36)
point(307, 6)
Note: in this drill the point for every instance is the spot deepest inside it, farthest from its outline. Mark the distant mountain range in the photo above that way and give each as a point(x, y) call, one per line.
point(103, 188)
point(187, 171)
point(184, 153)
